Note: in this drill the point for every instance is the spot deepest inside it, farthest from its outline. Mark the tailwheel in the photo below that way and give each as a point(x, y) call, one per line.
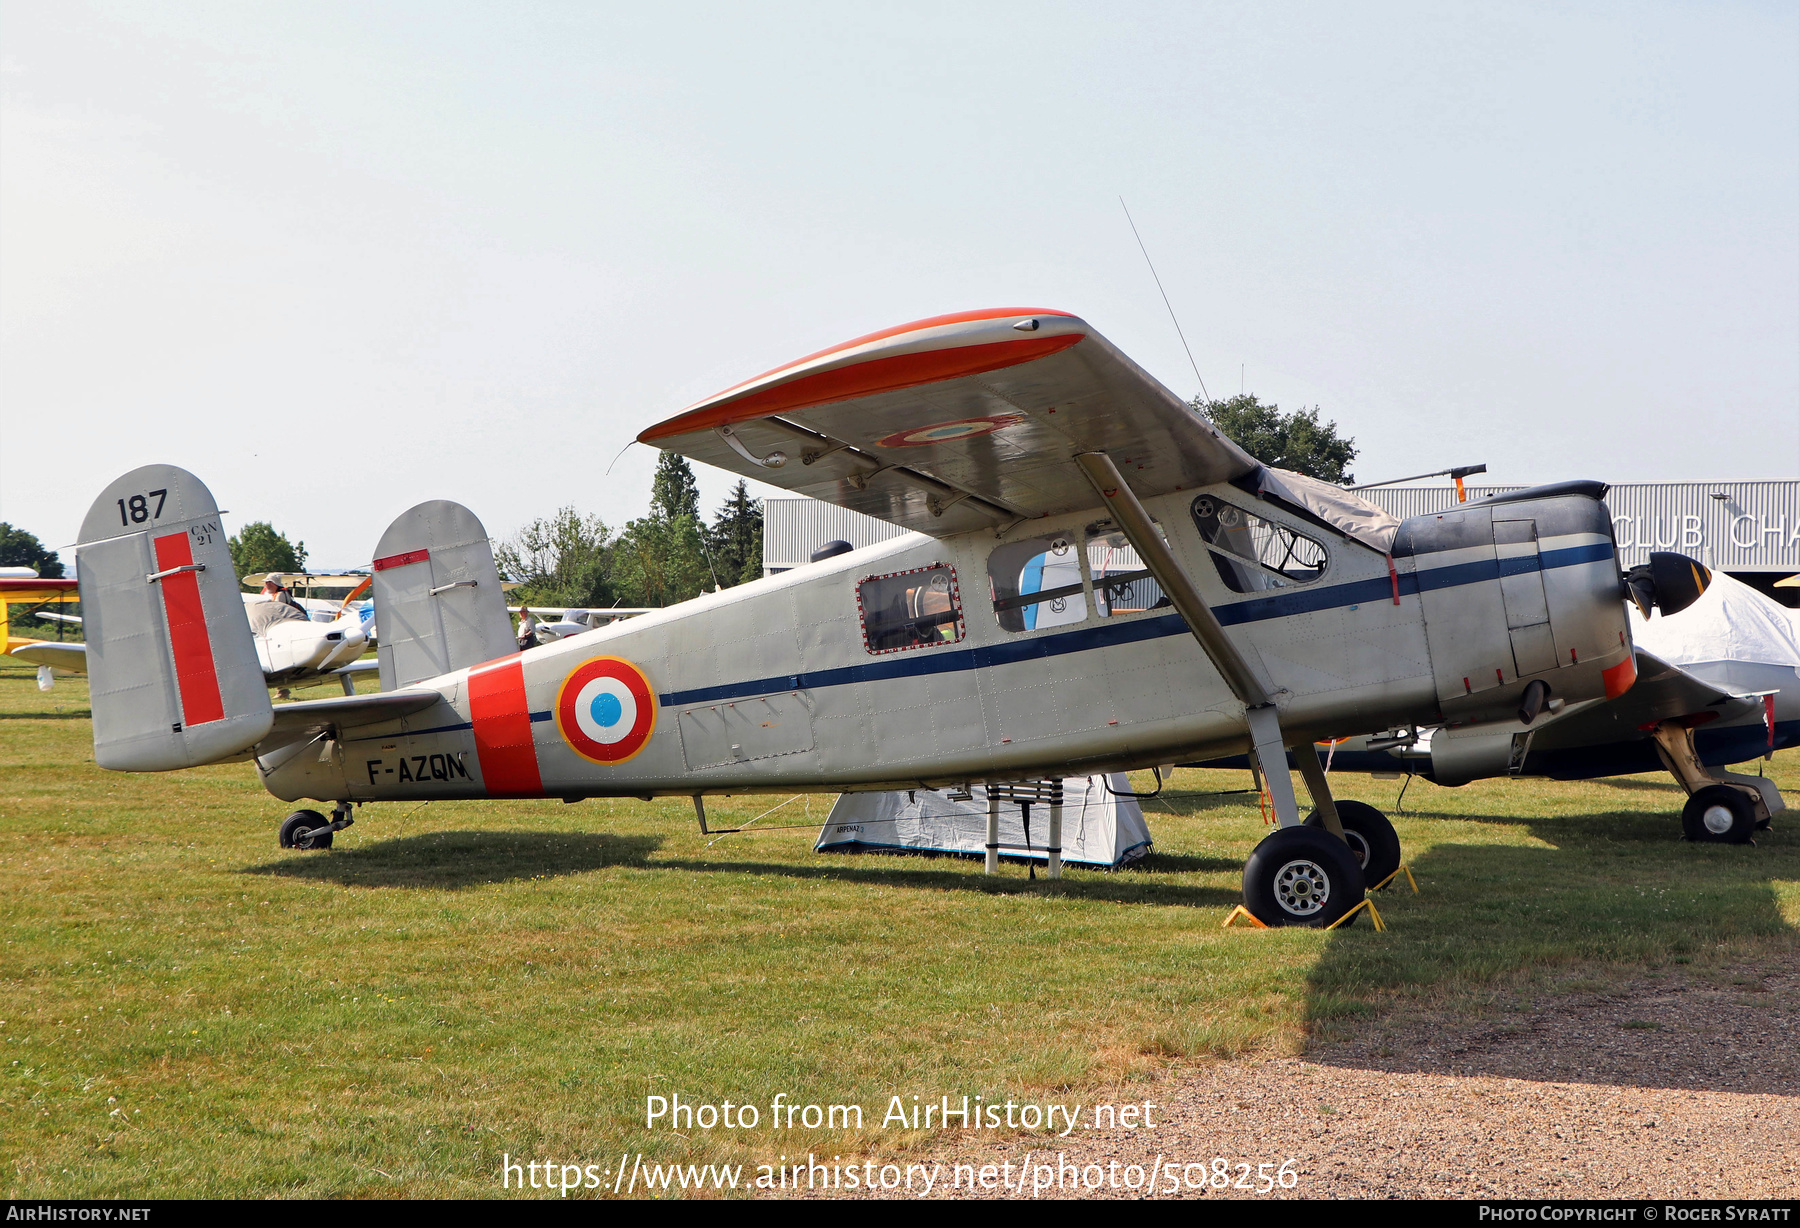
point(1302, 876)
point(1370, 836)
point(305, 829)
point(1719, 814)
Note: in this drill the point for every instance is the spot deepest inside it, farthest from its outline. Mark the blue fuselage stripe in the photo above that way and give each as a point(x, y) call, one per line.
point(1109, 634)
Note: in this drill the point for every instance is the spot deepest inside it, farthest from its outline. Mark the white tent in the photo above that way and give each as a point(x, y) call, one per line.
point(1731, 624)
point(1099, 829)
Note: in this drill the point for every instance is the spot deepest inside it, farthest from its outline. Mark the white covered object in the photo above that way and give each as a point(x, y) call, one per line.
point(1099, 829)
point(1344, 510)
point(1731, 623)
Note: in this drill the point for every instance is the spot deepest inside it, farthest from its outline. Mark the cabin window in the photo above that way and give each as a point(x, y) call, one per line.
point(910, 609)
point(1037, 583)
point(1122, 584)
point(1254, 555)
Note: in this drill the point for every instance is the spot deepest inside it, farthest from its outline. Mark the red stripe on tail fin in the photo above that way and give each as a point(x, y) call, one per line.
point(195, 673)
point(400, 560)
point(502, 719)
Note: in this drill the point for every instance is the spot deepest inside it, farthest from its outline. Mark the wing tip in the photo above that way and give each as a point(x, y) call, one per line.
point(713, 411)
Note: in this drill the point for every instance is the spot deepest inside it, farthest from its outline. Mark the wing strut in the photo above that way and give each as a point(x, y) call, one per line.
point(824, 445)
point(1259, 709)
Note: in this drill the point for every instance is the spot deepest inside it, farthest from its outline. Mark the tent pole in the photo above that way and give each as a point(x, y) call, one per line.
point(1054, 867)
point(993, 832)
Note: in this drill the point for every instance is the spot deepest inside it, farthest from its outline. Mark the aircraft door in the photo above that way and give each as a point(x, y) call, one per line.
point(1522, 594)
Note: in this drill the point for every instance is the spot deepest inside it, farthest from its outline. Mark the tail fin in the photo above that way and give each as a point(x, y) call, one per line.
point(172, 666)
point(438, 603)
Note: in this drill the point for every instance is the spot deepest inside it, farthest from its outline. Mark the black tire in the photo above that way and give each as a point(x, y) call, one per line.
point(1719, 814)
point(1370, 836)
point(305, 820)
point(1302, 876)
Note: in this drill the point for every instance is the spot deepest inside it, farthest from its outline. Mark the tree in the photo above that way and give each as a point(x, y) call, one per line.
point(673, 492)
point(736, 537)
point(563, 561)
point(258, 548)
point(21, 549)
point(1297, 441)
point(659, 561)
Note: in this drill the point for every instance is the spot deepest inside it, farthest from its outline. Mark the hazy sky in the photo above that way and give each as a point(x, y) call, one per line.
point(338, 259)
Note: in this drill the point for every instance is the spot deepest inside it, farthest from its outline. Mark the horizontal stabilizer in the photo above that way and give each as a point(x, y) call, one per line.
point(350, 711)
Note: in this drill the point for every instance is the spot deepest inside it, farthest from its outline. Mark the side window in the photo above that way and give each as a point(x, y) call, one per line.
point(1254, 555)
point(1037, 583)
point(1122, 584)
point(910, 609)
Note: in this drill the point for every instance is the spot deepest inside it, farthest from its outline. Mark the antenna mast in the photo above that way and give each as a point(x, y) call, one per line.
point(1165, 298)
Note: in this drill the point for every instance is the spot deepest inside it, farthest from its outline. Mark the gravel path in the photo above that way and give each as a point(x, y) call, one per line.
point(1680, 1085)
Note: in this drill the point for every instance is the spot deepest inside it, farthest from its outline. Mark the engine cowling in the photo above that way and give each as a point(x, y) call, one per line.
point(1519, 588)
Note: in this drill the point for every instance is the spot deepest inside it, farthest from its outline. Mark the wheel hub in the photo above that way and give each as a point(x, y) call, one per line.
point(1718, 819)
point(1302, 887)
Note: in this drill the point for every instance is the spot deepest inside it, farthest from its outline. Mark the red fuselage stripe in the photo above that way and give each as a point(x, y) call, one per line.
point(502, 719)
point(196, 676)
point(864, 379)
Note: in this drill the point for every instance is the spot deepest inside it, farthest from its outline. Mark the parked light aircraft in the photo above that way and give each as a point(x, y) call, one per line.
point(23, 586)
point(1267, 611)
point(574, 620)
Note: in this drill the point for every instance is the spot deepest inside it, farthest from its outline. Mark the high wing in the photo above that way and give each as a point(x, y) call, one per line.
point(957, 422)
point(1663, 692)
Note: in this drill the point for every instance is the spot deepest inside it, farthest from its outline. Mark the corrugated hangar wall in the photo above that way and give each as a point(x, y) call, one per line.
point(794, 528)
point(1733, 526)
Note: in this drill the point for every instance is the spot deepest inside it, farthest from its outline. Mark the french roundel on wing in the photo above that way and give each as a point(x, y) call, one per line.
point(605, 710)
point(945, 432)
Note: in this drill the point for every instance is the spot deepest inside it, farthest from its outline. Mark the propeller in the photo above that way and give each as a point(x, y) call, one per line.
point(1669, 582)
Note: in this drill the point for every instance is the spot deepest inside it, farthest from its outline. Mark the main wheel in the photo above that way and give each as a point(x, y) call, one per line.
point(305, 821)
point(1719, 814)
point(1370, 836)
point(1302, 876)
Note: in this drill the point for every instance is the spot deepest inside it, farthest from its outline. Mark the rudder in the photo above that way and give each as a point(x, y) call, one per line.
point(172, 666)
point(438, 602)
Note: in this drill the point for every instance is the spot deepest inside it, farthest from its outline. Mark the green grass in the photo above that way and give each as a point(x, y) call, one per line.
point(186, 1010)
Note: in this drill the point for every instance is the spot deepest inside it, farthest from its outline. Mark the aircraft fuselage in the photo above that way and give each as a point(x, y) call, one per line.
point(790, 683)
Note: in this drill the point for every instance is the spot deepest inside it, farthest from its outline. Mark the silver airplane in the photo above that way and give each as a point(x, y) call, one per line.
point(1207, 606)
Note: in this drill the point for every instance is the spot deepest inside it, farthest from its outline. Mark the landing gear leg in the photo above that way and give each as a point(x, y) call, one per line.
point(1711, 815)
point(1300, 874)
point(1372, 839)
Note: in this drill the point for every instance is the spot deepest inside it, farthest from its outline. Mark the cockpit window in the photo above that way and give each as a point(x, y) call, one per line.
point(910, 609)
point(1037, 583)
point(1254, 555)
point(1122, 584)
